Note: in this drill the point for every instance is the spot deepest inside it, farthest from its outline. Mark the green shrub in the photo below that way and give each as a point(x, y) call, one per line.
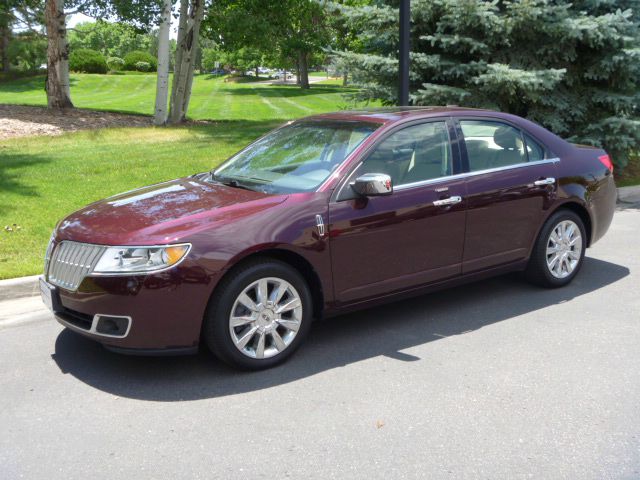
point(132, 58)
point(143, 66)
point(115, 64)
point(87, 61)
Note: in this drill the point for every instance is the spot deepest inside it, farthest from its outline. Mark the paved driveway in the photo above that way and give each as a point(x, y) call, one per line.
point(495, 380)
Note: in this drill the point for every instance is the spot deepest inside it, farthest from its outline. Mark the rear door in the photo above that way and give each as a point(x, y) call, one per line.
point(411, 237)
point(510, 181)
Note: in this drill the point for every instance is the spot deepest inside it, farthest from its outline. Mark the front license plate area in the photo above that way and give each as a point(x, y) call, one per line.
point(50, 296)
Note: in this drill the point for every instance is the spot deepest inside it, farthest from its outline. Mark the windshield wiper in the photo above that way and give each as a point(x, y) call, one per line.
point(229, 182)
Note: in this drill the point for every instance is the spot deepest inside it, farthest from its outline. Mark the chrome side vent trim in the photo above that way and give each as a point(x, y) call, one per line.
point(320, 225)
point(71, 262)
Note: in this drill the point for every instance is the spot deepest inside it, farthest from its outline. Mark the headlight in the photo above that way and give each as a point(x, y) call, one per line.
point(140, 259)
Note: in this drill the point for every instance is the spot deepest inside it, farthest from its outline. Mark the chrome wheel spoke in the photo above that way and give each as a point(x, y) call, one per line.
point(278, 342)
point(292, 325)
point(263, 288)
point(277, 293)
point(260, 346)
point(569, 231)
point(558, 267)
point(552, 250)
point(552, 263)
point(244, 340)
point(290, 305)
point(245, 300)
point(240, 321)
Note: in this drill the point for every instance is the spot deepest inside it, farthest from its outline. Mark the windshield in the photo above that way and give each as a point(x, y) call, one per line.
point(294, 158)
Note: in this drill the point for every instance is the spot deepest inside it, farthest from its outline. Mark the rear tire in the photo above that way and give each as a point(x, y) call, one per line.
point(558, 253)
point(258, 315)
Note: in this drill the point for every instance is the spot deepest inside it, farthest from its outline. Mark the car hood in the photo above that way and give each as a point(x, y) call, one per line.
point(163, 213)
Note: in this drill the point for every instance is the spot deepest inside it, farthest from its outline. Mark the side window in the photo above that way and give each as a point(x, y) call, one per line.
point(413, 154)
point(534, 149)
point(492, 144)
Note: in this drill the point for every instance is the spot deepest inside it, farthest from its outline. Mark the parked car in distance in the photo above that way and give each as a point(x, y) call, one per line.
point(324, 215)
point(282, 75)
point(218, 71)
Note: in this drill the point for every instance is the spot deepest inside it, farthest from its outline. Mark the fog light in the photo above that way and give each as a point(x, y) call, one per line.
point(112, 325)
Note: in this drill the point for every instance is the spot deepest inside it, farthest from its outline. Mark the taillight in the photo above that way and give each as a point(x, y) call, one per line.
point(606, 161)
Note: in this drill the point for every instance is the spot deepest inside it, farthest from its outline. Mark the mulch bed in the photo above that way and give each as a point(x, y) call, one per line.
point(22, 121)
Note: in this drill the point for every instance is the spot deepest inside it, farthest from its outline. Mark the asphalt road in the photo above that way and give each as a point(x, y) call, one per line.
point(492, 380)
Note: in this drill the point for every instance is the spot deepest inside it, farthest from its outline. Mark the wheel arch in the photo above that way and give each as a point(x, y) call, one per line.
point(579, 209)
point(291, 258)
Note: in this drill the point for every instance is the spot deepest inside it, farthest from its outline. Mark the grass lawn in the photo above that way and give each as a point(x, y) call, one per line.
point(212, 98)
point(42, 179)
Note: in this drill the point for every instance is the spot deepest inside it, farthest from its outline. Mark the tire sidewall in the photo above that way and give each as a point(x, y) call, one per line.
point(541, 246)
point(216, 328)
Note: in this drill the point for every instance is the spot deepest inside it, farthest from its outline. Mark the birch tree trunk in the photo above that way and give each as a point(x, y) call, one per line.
point(58, 94)
point(177, 64)
point(162, 84)
point(185, 58)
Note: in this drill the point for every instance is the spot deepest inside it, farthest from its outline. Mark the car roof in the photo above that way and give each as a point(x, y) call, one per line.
point(394, 114)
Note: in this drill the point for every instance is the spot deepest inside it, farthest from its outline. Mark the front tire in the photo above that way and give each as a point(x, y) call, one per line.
point(258, 315)
point(559, 251)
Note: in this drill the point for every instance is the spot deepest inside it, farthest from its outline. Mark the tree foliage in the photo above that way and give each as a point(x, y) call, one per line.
point(112, 39)
point(132, 58)
point(571, 66)
point(87, 61)
point(291, 31)
point(27, 51)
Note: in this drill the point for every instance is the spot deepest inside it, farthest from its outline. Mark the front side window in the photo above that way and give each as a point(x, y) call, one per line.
point(295, 158)
point(492, 144)
point(413, 154)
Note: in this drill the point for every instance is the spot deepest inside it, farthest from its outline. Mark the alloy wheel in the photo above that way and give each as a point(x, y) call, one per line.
point(564, 249)
point(265, 318)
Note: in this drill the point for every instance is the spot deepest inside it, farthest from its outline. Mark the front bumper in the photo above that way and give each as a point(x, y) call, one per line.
point(156, 313)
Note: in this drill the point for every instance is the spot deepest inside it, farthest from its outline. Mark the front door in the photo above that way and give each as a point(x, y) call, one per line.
point(411, 237)
point(511, 181)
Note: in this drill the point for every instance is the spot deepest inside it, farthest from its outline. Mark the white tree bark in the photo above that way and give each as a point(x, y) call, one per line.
point(182, 30)
point(58, 92)
point(185, 58)
point(162, 84)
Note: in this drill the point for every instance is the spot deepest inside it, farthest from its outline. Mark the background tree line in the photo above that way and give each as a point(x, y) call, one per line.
point(572, 66)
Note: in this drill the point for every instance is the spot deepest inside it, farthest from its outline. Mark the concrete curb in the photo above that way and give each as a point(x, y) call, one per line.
point(19, 287)
point(629, 194)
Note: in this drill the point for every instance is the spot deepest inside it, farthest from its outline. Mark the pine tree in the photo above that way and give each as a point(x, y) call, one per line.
point(573, 67)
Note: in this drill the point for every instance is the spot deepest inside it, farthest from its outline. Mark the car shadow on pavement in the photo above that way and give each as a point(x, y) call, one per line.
point(333, 343)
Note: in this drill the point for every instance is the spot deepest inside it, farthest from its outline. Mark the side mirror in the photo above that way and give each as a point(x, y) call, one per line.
point(373, 185)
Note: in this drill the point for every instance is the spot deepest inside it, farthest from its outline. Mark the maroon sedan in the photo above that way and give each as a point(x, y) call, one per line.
point(326, 214)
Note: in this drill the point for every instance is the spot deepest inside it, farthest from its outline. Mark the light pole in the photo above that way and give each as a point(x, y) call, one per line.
point(405, 30)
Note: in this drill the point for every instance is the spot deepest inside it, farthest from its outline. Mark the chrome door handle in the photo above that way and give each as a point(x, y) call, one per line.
point(545, 181)
point(448, 201)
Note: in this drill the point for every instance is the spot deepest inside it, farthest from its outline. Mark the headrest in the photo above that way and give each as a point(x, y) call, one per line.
point(506, 137)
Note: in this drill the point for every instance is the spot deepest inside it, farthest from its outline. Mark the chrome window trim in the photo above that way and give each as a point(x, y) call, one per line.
point(345, 181)
point(407, 186)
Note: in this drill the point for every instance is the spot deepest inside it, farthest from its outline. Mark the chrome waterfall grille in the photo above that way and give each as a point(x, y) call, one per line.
point(70, 262)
